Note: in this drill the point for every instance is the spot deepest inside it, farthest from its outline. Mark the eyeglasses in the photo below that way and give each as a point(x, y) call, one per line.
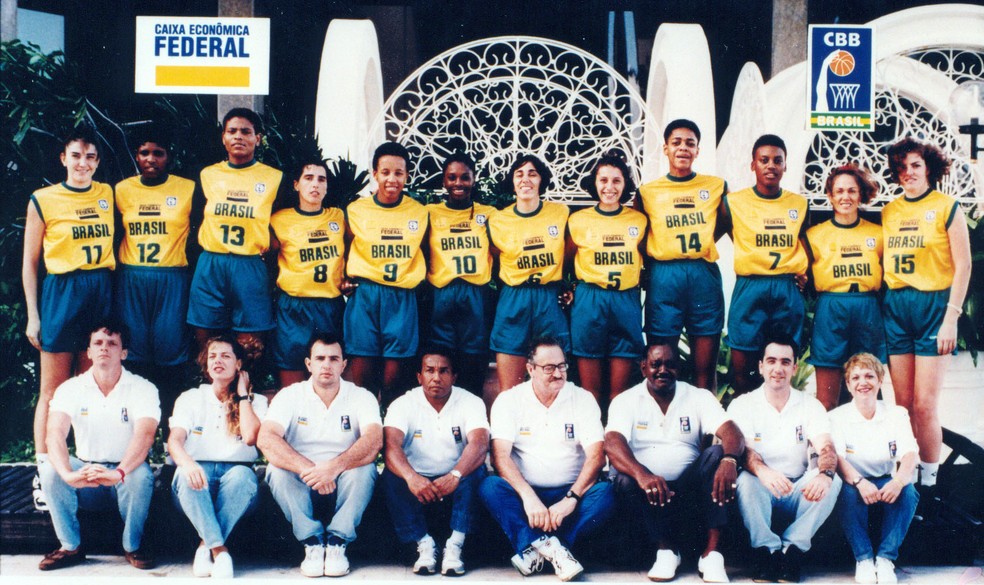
point(551, 368)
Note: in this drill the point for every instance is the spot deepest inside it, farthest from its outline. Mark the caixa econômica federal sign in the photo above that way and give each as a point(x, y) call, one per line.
point(841, 82)
point(202, 55)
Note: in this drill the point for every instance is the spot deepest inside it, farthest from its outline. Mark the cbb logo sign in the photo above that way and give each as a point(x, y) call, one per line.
point(841, 81)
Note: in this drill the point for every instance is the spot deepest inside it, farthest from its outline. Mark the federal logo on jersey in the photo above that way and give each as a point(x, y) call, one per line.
point(104, 205)
point(480, 219)
point(930, 215)
point(413, 225)
point(346, 423)
point(171, 201)
point(333, 226)
point(870, 242)
point(794, 214)
point(554, 231)
point(633, 231)
point(685, 425)
point(260, 187)
point(704, 194)
point(569, 431)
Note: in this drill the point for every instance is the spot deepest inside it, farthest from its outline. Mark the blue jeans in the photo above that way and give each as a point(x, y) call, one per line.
point(214, 512)
point(131, 498)
point(353, 490)
point(757, 505)
point(595, 507)
point(408, 513)
point(896, 518)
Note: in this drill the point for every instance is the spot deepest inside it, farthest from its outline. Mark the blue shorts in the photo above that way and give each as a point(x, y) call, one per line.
point(458, 319)
point(153, 302)
point(298, 319)
point(230, 291)
point(684, 294)
point(760, 304)
point(912, 320)
point(381, 321)
point(71, 305)
point(525, 312)
point(606, 323)
point(845, 324)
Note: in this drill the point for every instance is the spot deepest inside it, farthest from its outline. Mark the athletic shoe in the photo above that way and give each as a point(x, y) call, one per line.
point(664, 569)
point(427, 556)
point(60, 559)
point(202, 565)
point(885, 569)
point(40, 502)
point(451, 563)
point(336, 563)
point(864, 572)
point(565, 565)
point(711, 568)
point(222, 569)
point(313, 564)
point(531, 561)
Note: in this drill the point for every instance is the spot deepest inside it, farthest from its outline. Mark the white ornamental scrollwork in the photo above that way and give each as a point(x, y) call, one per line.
point(501, 97)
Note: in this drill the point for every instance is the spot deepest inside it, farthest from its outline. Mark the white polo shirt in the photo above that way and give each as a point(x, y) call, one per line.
point(548, 443)
point(873, 446)
point(665, 444)
point(780, 437)
point(321, 432)
point(432, 440)
point(103, 425)
point(203, 416)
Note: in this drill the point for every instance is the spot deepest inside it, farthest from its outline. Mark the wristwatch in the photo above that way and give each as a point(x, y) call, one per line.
point(237, 398)
point(857, 481)
point(455, 473)
point(828, 473)
point(571, 494)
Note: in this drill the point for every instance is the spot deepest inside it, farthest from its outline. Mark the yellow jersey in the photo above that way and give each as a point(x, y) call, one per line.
point(531, 246)
point(766, 232)
point(682, 216)
point(386, 241)
point(607, 246)
point(917, 245)
point(459, 244)
point(845, 258)
point(239, 200)
point(78, 227)
point(155, 221)
point(312, 251)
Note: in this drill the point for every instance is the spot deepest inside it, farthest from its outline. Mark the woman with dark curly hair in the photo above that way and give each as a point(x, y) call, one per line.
point(927, 270)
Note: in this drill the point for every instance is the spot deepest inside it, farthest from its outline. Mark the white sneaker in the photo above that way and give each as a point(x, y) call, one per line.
point(40, 502)
point(664, 569)
point(529, 562)
point(565, 565)
point(711, 568)
point(202, 565)
point(336, 563)
point(451, 563)
point(885, 569)
point(426, 556)
point(864, 572)
point(222, 569)
point(313, 564)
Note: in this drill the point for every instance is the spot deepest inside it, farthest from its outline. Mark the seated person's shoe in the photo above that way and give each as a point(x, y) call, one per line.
point(664, 569)
point(792, 565)
point(140, 559)
point(59, 559)
point(769, 566)
point(711, 568)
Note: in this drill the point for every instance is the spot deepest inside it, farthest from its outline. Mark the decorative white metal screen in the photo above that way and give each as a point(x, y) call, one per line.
point(501, 97)
point(899, 115)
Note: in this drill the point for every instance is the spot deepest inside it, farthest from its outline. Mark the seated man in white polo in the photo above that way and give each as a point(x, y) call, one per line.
point(321, 437)
point(547, 446)
point(653, 442)
point(437, 437)
point(780, 424)
point(114, 416)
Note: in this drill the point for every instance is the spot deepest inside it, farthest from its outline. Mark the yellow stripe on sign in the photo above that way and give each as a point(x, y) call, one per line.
point(175, 75)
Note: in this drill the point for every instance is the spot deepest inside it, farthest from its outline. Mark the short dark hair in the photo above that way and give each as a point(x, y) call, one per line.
point(114, 326)
point(458, 156)
point(866, 185)
point(308, 162)
point(237, 349)
point(662, 342)
point(83, 133)
point(546, 177)
point(152, 133)
point(543, 341)
point(937, 162)
point(326, 338)
point(769, 140)
point(390, 149)
point(780, 337)
point(681, 123)
point(246, 114)
point(444, 352)
point(612, 158)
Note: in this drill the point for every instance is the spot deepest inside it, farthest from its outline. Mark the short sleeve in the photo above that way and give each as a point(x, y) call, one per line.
point(475, 417)
point(903, 430)
point(281, 409)
point(712, 414)
point(620, 415)
point(183, 415)
point(64, 398)
point(396, 414)
point(837, 434)
point(590, 414)
point(368, 411)
point(260, 405)
point(738, 410)
point(817, 421)
point(146, 402)
point(503, 420)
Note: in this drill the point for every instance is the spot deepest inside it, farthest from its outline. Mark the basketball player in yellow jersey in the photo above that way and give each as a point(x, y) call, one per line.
point(385, 234)
point(605, 246)
point(152, 280)
point(71, 225)
point(684, 289)
point(845, 256)
point(459, 269)
point(310, 243)
point(766, 223)
point(927, 271)
point(229, 290)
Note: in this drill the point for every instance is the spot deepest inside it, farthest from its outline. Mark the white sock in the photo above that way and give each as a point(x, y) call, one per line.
point(427, 537)
point(927, 475)
point(40, 458)
point(457, 538)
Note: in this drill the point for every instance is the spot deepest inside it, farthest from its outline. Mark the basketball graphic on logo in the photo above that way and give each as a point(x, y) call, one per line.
point(842, 63)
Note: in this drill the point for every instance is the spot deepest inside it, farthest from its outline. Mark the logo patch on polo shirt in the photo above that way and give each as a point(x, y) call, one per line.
point(525, 431)
point(685, 425)
point(84, 411)
point(124, 417)
point(642, 425)
point(302, 420)
point(758, 438)
point(799, 433)
point(849, 447)
point(346, 423)
point(569, 431)
point(891, 449)
point(456, 433)
point(197, 430)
